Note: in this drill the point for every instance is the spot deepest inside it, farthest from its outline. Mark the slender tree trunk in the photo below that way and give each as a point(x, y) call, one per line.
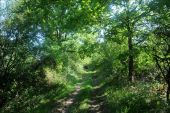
point(168, 88)
point(131, 61)
point(167, 92)
point(131, 73)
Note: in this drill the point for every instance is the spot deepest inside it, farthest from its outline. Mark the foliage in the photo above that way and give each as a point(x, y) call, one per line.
point(45, 44)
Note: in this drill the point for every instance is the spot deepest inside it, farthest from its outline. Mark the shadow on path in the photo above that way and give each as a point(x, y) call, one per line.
point(62, 105)
point(86, 98)
point(97, 101)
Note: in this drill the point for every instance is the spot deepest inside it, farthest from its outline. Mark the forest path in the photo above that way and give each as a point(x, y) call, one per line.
point(63, 105)
point(86, 98)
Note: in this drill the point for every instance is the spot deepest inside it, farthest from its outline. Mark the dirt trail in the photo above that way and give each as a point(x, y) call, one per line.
point(96, 103)
point(63, 105)
point(75, 99)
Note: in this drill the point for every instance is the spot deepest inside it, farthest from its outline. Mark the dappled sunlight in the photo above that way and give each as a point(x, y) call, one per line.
point(84, 56)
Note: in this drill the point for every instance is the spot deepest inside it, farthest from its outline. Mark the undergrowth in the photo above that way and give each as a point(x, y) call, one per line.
point(40, 98)
point(140, 97)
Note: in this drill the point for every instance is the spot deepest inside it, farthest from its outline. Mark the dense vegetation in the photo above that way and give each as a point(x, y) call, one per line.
point(102, 56)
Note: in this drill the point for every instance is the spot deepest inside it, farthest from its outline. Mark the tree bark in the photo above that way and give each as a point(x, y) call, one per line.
point(130, 26)
point(131, 61)
point(167, 92)
point(168, 83)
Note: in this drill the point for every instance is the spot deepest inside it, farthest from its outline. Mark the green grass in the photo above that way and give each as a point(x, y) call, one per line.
point(82, 100)
point(37, 100)
point(40, 98)
point(134, 98)
point(118, 96)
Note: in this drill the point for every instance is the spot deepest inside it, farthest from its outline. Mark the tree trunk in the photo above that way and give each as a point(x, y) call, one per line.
point(168, 82)
point(167, 92)
point(131, 61)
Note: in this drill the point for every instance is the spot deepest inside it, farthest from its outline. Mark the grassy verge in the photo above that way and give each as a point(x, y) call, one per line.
point(40, 98)
point(140, 97)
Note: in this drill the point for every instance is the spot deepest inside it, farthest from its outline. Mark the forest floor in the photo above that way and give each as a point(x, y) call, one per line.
point(86, 98)
point(93, 96)
point(91, 92)
point(63, 104)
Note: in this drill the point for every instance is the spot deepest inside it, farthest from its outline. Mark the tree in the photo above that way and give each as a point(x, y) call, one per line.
point(127, 17)
point(161, 41)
